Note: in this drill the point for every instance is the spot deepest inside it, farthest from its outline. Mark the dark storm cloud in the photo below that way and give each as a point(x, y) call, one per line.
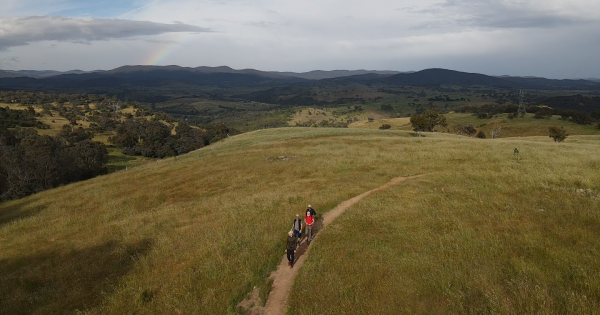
point(19, 31)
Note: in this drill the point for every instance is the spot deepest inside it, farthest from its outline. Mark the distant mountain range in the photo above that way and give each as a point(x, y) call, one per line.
point(226, 77)
point(39, 73)
point(312, 75)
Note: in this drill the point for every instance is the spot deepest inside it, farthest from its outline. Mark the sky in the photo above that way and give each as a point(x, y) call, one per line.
point(547, 38)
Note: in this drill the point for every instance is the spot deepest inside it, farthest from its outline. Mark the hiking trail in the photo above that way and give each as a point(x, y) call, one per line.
point(283, 277)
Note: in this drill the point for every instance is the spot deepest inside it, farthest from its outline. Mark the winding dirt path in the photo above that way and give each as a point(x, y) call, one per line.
point(283, 277)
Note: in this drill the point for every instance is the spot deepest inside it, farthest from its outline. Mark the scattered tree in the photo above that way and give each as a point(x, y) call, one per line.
point(428, 121)
point(495, 132)
point(558, 134)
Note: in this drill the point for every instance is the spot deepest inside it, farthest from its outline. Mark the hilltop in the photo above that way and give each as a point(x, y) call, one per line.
point(480, 231)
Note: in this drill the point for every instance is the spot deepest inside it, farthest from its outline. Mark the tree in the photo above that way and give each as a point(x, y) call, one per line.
point(582, 118)
point(558, 134)
point(188, 138)
point(428, 121)
point(495, 132)
point(74, 136)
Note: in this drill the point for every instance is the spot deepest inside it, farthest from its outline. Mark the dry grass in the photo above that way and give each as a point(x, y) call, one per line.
point(215, 220)
point(518, 127)
point(313, 116)
point(194, 235)
point(488, 235)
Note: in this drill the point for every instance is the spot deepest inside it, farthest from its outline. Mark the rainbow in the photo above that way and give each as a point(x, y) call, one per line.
point(159, 55)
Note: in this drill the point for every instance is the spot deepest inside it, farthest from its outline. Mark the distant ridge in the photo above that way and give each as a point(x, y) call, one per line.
point(39, 73)
point(226, 77)
point(437, 77)
point(311, 75)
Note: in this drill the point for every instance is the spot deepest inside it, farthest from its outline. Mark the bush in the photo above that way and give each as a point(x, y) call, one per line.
point(558, 134)
point(385, 126)
point(468, 130)
point(481, 135)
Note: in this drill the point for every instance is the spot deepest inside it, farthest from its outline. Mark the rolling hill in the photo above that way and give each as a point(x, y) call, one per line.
point(480, 232)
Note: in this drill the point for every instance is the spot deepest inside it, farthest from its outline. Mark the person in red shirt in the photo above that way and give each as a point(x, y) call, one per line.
point(309, 219)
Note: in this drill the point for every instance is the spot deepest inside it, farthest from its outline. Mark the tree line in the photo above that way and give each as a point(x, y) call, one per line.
point(539, 111)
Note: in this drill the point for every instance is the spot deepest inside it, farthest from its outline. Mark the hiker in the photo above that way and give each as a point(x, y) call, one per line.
point(297, 227)
point(309, 218)
point(312, 211)
point(291, 244)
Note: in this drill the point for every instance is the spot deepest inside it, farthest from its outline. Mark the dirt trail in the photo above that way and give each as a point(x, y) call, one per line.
point(283, 277)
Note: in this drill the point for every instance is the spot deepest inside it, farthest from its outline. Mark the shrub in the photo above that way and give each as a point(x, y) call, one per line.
point(481, 135)
point(385, 126)
point(468, 130)
point(558, 134)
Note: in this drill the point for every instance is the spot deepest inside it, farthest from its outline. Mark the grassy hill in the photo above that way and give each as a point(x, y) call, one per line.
point(480, 232)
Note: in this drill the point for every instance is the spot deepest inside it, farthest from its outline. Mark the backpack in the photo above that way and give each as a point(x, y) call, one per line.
point(312, 211)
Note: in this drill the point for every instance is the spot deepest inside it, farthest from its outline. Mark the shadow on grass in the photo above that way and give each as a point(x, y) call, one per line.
point(14, 211)
point(64, 282)
point(120, 162)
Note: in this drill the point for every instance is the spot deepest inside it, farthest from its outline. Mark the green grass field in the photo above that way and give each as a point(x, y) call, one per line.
point(193, 235)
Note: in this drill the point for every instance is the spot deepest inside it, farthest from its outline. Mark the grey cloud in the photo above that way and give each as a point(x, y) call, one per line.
point(19, 31)
point(502, 14)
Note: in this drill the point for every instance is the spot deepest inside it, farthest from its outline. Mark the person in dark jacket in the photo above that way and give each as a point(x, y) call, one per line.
point(297, 227)
point(291, 244)
point(312, 211)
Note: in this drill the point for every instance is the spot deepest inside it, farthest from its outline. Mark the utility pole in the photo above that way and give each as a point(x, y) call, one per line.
point(522, 110)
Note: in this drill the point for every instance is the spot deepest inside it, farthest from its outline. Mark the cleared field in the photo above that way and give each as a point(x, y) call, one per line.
point(517, 127)
point(194, 235)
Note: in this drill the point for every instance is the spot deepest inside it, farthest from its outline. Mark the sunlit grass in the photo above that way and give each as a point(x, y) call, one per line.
point(488, 235)
point(200, 231)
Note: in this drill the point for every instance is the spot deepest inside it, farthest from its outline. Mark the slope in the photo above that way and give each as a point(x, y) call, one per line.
point(196, 234)
point(488, 236)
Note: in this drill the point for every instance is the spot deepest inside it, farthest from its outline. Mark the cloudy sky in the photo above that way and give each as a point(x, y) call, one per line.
point(550, 38)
